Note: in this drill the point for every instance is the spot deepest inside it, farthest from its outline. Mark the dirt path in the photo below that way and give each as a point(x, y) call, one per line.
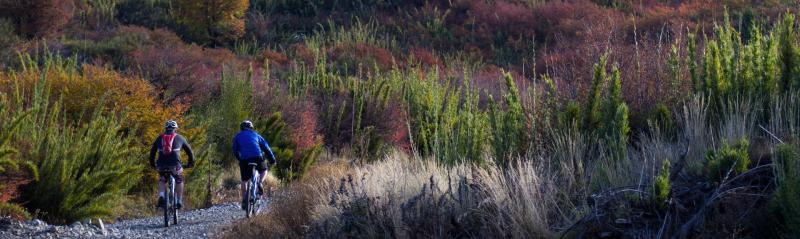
point(201, 223)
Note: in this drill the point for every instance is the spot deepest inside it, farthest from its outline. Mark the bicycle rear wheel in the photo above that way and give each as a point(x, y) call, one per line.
point(247, 204)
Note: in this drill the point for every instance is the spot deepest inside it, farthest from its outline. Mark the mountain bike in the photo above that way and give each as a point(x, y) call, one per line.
point(253, 197)
point(170, 209)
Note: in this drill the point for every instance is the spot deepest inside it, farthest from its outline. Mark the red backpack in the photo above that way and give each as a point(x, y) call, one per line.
point(166, 143)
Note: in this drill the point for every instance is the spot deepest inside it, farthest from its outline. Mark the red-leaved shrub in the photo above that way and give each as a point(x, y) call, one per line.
point(350, 57)
point(274, 57)
point(419, 57)
point(182, 72)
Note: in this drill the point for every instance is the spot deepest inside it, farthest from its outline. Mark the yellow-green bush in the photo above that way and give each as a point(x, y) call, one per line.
point(661, 186)
point(727, 161)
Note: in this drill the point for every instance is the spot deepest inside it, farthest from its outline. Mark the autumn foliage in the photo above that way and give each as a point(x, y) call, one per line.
point(90, 87)
point(214, 22)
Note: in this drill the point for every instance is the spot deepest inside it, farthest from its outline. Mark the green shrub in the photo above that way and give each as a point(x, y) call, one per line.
point(510, 139)
point(14, 211)
point(591, 111)
point(785, 204)
point(661, 185)
point(730, 158)
point(444, 119)
point(615, 115)
point(691, 46)
point(84, 170)
point(789, 55)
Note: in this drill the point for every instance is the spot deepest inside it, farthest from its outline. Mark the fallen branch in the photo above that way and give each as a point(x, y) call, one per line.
point(717, 195)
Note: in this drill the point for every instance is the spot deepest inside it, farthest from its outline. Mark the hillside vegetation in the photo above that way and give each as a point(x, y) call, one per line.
point(424, 118)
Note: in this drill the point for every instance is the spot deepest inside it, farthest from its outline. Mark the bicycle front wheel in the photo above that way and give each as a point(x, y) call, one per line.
point(167, 207)
point(174, 215)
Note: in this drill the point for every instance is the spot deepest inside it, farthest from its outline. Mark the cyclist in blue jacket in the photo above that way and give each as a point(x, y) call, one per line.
point(250, 147)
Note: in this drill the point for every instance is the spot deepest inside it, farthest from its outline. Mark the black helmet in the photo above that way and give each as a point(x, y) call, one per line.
point(246, 125)
point(171, 125)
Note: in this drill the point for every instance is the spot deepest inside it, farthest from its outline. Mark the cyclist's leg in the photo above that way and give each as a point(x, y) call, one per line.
point(178, 175)
point(162, 187)
point(262, 172)
point(245, 175)
point(162, 181)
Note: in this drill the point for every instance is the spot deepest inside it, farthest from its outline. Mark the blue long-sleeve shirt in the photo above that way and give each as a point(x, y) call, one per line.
point(249, 145)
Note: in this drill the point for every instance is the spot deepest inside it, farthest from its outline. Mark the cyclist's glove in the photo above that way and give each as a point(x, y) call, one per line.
point(189, 165)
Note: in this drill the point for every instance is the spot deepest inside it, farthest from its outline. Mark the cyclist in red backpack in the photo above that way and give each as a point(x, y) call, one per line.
point(169, 144)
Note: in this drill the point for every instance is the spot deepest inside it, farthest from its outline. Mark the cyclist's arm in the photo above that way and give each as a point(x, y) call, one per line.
point(189, 152)
point(265, 147)
point(153, 151)
point(235, 148)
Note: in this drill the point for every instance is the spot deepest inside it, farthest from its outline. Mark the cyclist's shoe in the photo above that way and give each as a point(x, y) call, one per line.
point(244, 204)
point(162, 202)
point(260, 189)
point(179, 205)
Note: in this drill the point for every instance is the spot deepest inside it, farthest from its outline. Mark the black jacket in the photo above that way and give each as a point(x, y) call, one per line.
point(178, 144)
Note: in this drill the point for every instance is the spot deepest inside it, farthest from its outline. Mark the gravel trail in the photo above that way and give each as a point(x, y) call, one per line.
point(200, 223)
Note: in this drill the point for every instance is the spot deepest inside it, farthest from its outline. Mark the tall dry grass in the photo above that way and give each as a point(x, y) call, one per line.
point(408, 198)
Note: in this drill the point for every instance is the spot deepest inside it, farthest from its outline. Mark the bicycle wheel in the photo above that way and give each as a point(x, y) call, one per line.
point(250, 199)
point(167, 206)
point(246, 205)
point(174, 215)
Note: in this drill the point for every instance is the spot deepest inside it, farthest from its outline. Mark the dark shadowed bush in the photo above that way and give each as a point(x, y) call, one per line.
point(38, 18)
point(147, 13)
point(785, 203)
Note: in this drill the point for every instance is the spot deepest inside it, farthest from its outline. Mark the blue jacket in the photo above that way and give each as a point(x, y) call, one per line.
point(248, 145)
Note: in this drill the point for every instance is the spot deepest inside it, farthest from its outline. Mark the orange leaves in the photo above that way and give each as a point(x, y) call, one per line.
point(82, 91)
